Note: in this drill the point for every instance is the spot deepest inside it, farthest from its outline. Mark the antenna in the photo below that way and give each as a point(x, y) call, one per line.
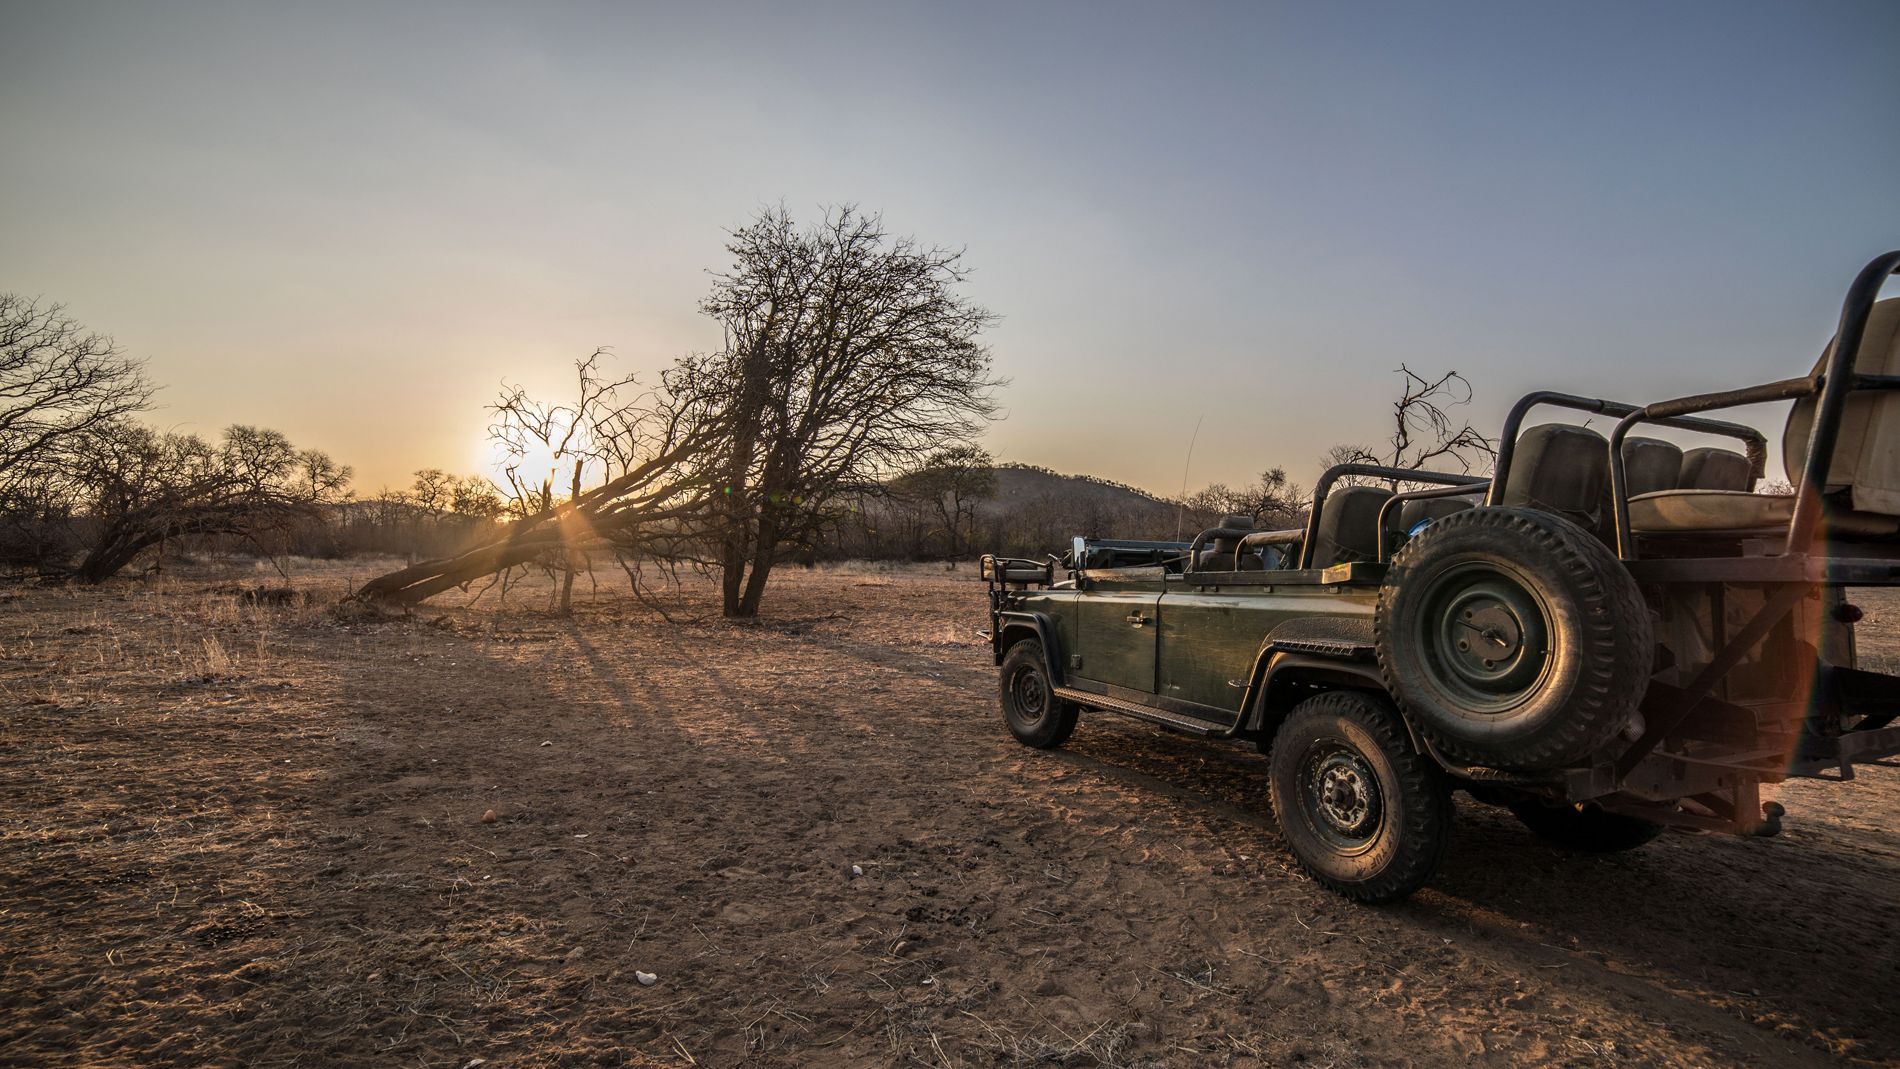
point(1181, 512)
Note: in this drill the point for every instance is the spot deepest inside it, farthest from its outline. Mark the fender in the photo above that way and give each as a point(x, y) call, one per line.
point(1333, 650)
point(1012, 623)
point(1277, 672)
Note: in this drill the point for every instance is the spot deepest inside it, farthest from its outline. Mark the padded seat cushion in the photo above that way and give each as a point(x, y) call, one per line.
point(1733, 510)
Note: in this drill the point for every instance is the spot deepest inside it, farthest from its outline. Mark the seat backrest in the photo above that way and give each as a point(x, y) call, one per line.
point(1560, 468)
point(1420, 510)
point(1349, 525)
point(1651, 464)
point(1222, 554)
point(1708, 468)
point(1867, 454)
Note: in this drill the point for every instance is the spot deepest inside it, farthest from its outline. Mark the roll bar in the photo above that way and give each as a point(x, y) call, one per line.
point(1378, 471)
point(1833, 384)
point(1412, 495)
point(1753, 441)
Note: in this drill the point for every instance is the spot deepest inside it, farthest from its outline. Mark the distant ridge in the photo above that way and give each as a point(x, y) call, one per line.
point(1019, 485)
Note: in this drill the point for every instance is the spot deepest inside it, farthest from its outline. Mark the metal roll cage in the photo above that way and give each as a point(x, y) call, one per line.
point(1833, 385)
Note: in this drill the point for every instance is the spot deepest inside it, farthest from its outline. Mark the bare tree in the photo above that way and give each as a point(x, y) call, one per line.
point(610, 468)
point(433, 490)
point(148, 488)
point(849, 357)
point(473, 497)
point(58, 384)
point(951, 483)
point(1425, 433)
point(1272, 501)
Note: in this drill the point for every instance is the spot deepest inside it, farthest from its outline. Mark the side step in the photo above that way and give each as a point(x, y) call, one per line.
point(1177, 721)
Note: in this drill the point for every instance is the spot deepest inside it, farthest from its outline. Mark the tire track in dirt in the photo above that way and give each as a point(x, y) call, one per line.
point(1608, 986)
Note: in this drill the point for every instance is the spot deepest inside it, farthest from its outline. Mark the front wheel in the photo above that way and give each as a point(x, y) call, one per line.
point(1031, 710)
point(1364, 813)
point(1588, 830)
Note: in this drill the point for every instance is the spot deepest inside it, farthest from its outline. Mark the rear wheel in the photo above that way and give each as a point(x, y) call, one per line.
point(1588, 830)
point(1363, 813)
point(1031, 710)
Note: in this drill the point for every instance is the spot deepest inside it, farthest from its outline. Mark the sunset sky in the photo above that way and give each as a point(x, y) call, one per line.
point(352, 222)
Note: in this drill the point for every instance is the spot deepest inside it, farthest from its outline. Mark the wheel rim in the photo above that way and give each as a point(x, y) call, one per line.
point(1029, 696)
point(1484, 634)
point(1340, 795)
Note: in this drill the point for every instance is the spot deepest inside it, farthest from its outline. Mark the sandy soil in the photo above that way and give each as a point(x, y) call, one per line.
point(254, 836)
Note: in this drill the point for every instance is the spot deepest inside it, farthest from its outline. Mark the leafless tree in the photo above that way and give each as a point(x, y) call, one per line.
point(850, 356)
point(58, 384)
point(433, 490)
point(610, 468)
point(147, 488)
point(473, 497)
point(950, 484)
point(1272, 501)
point(1425, 433)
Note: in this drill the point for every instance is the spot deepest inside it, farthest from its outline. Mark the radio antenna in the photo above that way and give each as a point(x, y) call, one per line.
point(1181, 513)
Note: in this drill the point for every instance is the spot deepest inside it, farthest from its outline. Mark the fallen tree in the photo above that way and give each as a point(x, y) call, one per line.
point(652, 505)
point(655, 496)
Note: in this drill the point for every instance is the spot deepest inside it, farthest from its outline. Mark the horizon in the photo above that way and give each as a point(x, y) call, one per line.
point(1226, 217)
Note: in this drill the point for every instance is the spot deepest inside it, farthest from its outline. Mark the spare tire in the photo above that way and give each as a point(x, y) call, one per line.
point(1512, 639)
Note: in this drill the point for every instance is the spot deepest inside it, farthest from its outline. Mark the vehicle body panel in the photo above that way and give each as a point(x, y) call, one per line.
point(1211, 636)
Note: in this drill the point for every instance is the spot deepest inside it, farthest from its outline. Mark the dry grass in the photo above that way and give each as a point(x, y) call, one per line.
point(250, 831)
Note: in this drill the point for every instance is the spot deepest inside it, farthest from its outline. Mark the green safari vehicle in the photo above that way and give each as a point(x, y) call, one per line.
point(1610, 636)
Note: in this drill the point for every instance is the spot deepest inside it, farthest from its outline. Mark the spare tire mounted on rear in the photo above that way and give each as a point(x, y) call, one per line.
point(1513, 638)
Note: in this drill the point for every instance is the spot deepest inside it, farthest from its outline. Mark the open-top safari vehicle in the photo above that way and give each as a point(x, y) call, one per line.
point(1610, 636)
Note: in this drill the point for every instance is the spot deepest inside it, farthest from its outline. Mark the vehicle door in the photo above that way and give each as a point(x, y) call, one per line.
point(1115, 630)
point(1207, 643)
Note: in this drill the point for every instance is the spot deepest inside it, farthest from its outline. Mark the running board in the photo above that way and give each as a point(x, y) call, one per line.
point(1177, 721)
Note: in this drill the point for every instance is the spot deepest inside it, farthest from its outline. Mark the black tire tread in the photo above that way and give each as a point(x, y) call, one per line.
point(1611, 601)
point(1065, 713)
point(1425, 834)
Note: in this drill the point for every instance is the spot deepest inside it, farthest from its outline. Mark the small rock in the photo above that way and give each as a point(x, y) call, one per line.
point(547, 742)
point(646, 979)
point(857, 871)
point(490, 816)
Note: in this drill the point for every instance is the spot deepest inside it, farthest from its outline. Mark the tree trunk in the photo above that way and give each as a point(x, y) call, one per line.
point(567, 550)
point(111, 556)
point(755, 583)
point(732, 561)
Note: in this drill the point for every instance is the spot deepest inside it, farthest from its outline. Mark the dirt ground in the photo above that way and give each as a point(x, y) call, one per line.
point(237, 835)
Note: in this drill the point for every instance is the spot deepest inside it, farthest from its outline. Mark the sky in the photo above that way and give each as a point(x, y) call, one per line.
point(353, 222)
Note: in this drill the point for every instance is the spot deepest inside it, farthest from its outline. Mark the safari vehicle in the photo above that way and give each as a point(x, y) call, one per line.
point(1609, 636)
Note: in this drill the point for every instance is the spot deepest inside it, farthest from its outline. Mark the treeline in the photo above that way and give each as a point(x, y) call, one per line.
point(839, 419)
point(1022, 510)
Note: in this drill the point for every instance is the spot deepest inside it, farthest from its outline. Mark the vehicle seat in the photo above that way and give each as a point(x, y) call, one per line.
point(1651, 464)
point(1863, 481)
point(1423, 510)
point(1715, 469)
point(1560, 468)
point(1349, 525)
point(1222, 554)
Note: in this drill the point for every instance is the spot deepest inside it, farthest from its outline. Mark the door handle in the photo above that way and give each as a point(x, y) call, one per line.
point(1136, 618)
